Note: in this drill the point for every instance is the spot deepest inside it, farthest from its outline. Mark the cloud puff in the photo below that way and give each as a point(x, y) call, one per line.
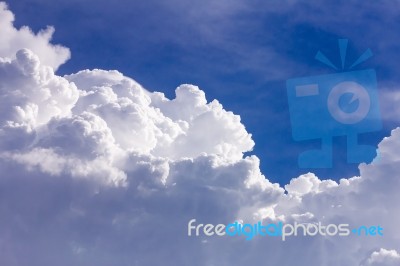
point(31, 94)
point(308, 183)
point(384, 257)
point(96, 170)
point(175, 128)
point(13, 39)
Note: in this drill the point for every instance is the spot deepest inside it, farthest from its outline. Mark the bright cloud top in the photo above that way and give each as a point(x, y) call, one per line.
point(13, 39)
point(96, 170)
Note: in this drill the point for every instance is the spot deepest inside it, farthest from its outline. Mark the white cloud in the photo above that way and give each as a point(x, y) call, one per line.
point(174, 129)
point(96, 170)
point(31, 94)
point(13, 39)
point(384, 257)
point(308, 183)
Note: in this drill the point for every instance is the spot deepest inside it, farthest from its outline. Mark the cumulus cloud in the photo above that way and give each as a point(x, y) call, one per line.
point(31, 94)
point(13, 39)
point(96, 170)
point(308, 183)
point(384, 257)
point(174, 129)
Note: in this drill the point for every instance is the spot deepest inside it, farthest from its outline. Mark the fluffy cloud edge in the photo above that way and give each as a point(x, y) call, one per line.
point(16, 39)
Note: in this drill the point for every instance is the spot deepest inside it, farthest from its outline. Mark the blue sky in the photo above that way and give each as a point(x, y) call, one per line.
point(239, 52)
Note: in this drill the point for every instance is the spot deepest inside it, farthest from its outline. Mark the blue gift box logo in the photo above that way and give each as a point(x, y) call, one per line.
point(340, 104)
